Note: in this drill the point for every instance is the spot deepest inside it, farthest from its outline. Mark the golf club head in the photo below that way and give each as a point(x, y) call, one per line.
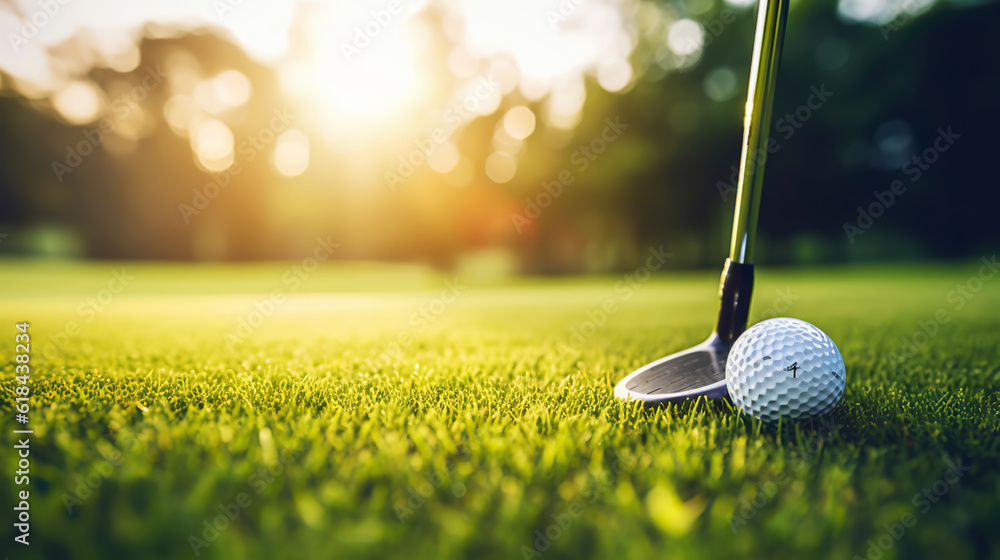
point(697, 371)
point(700, 370)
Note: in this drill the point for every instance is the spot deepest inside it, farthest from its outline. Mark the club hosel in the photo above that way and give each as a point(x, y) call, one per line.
point(735, 291)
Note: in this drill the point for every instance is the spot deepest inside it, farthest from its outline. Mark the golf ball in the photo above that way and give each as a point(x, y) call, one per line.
point(785, 368)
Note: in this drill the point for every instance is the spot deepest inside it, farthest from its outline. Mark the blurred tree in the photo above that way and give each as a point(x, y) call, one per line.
point(665, 177)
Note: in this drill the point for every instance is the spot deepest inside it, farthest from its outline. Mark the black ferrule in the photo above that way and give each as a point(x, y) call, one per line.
point(735, 291)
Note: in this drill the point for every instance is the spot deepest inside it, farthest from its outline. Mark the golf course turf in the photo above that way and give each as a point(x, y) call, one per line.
point(383, 411)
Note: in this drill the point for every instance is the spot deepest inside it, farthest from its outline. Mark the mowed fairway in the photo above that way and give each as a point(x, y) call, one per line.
point(371, 415)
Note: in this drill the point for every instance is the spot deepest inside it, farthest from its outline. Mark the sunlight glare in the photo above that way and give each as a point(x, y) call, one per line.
point(361, 78)
point(543, 49)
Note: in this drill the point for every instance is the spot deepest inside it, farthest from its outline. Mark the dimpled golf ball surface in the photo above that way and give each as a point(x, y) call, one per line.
point(785, 368)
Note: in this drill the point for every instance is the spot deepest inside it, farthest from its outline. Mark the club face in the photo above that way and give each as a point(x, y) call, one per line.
point(697, 371)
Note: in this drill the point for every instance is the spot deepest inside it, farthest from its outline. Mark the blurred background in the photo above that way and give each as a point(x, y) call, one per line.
point(553, 136)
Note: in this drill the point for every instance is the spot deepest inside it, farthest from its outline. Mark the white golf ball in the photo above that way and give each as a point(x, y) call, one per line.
point(785, 368)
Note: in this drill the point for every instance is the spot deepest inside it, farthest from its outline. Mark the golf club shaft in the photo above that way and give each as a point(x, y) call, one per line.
point(771, 16)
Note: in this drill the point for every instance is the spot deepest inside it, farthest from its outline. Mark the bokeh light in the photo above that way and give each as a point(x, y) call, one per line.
point(501, 167)
point(79, 102)
point(686, 37)
point(180, 111)
point(291, 154)
point(212, 142)
point(720, 84)
point(232, 88)
point(444, 158)
point(614, 74)
point(519, 122)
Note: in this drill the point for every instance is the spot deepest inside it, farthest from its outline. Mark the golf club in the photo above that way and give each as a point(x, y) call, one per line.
point(701, 370)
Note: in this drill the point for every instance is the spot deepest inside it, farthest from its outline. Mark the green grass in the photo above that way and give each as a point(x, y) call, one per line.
point(493, 410)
